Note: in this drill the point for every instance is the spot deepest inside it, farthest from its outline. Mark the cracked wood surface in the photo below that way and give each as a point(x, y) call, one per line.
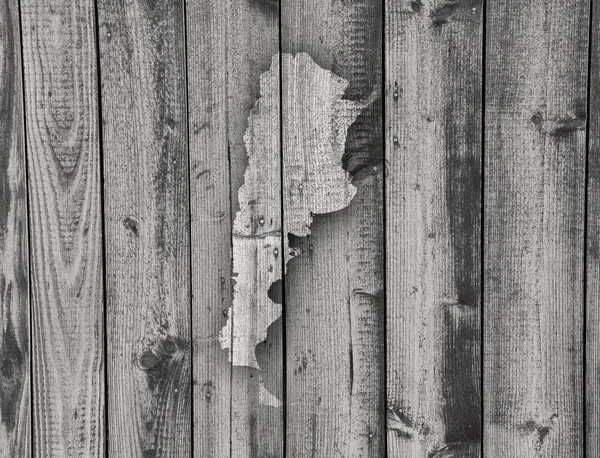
point(535, 153)
point(15, 415)
point(65, 218)
point(433, 200)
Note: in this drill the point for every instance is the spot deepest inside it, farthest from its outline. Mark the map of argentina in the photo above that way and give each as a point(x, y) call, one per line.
point(316, 122)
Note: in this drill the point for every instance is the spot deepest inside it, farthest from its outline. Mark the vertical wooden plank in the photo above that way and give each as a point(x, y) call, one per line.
point(210, 212)
point(14, 259)
point(59, 56)
point(535, 144)
point(592, 381)
point(433, 200)
point(147, 227)
point(253, 331)
point(334, 295)
point(230, 47)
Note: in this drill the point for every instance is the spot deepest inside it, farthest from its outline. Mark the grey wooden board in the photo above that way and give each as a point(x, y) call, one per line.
point(334, 293)
point(592, 381)
point(433, 137)
point(385, 326)
point(210, 213)
point(144, 122)
point(15, 414)
point(251, 40)
point(63, 156)
point(535, 148)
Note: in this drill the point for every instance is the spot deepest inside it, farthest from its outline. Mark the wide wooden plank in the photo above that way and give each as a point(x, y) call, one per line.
point(535, 148)
point(334, 292)
point(145, 146)
point(14, 260)
point(61, 101)
point(592, 381)
point(235, 176)
point(433, 201)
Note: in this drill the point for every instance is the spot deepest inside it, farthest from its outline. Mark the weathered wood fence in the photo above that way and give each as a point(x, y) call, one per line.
point(299, 228)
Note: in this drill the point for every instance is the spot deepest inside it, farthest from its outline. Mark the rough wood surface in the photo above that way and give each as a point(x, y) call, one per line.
point(314, 183)
point(207, 36)
point(592, 380)
point(59, 57)
point(244, 195)
point(535, 145)
point(14, 262)
point(256, 243)
point(433, 203)
point(249, 40)
point(147, 227)
point(334, 287)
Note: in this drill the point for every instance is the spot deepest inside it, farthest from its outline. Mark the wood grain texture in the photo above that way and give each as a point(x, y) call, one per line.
point(334, 287)
point(433, 202)
point(14, 260)
point(147, 227)
point(247, 40)
point(67, 306)
point(535, 144)
point(256, 232)
point(210, 211)
point(592, 380)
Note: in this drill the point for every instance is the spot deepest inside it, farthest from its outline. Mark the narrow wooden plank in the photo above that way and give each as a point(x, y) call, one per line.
point(234, 155)
point(253, 331)
point(592, 380)
point(433, 201)
point(59, 56)
point(147, 227)
point(14, 260)
point(334, 307)
point(535, 146)
point(207, 37)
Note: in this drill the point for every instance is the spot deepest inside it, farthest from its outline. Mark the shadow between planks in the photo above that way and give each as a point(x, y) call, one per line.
point(449, 311)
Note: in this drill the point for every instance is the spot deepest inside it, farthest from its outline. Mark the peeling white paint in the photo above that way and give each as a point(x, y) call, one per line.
point(315, 125)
